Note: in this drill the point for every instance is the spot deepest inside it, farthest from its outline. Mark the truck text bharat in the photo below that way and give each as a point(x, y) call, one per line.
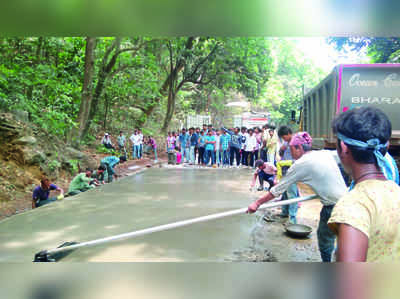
point(347, 87)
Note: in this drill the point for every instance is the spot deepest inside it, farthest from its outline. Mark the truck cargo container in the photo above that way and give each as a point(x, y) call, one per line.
point(349, 86)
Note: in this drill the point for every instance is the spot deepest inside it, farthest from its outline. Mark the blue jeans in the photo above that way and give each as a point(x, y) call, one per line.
point(234, 151)
point(155, 154)
point(46, 201)
point(136, 152)
point(218, 157)
point(326, 238)
point(225, 157)
point(262, 176)
point(209, 154)
point(185, 154)
point(192, 157)
point(290, 210)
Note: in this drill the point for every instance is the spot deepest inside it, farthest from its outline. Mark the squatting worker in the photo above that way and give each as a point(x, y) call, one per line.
point(367, 218)
point(109, 164)
point(319, 170)
point(40, 196)
point(80, 183)
point(265, 171)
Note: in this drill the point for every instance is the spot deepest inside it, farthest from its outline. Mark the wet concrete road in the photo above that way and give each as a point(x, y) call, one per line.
point(154, 197)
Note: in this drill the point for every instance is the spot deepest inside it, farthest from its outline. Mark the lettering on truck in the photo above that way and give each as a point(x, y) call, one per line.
point(375, 100)
point(389, 81)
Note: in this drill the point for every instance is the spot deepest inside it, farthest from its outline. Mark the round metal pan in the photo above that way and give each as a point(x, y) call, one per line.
point(298, 230)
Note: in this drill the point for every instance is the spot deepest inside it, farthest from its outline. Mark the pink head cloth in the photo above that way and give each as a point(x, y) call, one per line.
point(301, 138)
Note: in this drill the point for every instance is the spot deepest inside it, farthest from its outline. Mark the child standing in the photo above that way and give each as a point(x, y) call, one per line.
point(178, 155)
point(171, 148)
point(153, 145)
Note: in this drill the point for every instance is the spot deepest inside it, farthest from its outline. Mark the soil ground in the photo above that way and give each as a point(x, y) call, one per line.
point(22, 202)
point(270, 242)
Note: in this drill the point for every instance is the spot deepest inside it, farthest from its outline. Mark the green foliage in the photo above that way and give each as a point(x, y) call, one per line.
point(100, 149)
point(291, 73)
point(44, 76)
point(54, 165)
point(74, 169)
point(379, 49)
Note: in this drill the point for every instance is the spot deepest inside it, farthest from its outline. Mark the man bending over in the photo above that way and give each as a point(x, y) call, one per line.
point(265, 171)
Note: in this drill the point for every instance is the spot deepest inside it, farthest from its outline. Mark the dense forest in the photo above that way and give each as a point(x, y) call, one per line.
point(75, 86)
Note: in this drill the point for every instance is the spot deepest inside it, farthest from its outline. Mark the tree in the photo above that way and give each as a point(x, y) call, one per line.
point(379, 49)
point(291, 73)
point(107, 70)
point(87, 90)
point(208, 64)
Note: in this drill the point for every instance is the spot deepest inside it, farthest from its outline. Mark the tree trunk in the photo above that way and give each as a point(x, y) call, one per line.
point(170, 111)
point(102, 77)
point(39, 49)
point(87, 94)
point(95, 101)
point(106, 105)
point(170, 82)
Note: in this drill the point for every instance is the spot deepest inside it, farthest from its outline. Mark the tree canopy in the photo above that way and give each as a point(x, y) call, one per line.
point(379, 49)
point(75, 86)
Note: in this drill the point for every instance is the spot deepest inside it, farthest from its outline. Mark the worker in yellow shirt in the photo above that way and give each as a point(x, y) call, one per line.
point(367, 218)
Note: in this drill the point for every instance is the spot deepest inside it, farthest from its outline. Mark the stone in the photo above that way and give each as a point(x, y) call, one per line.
point(33, 156)
point(27, 140)
point(73, 153)
point(21, 115)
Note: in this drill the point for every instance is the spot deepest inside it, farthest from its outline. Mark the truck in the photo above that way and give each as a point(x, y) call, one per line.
point(349, 86)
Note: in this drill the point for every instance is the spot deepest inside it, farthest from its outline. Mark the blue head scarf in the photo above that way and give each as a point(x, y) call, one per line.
point(387, 165)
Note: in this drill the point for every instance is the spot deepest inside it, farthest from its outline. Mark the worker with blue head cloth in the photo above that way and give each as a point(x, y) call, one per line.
point(384, 160)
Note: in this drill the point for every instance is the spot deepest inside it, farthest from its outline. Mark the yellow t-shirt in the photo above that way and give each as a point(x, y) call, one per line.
point(373, 207)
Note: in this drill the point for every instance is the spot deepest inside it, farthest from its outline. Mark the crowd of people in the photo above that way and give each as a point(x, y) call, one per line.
point(239, 147)
point(139, 144)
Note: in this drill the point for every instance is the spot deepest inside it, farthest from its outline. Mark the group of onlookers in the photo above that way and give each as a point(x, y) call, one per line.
point(210, 146)
point(140, 144)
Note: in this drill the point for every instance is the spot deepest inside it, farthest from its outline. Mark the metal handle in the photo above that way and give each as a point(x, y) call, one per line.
point(177, 224)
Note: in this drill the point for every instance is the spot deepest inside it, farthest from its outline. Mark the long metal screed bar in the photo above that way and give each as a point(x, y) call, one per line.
point(50, 255)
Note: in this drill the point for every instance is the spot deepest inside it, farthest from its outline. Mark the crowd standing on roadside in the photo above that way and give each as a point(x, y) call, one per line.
point(240, 147)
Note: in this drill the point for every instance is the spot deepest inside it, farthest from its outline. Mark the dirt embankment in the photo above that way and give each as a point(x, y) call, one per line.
point(28, 153)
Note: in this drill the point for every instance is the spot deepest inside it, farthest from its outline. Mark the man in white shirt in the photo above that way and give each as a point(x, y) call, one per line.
point(250, 148)
point(320, 171)
point(135, 139)
point(106, 141)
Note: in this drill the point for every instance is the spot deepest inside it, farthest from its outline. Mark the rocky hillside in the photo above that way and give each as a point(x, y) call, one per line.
point(27, 153)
